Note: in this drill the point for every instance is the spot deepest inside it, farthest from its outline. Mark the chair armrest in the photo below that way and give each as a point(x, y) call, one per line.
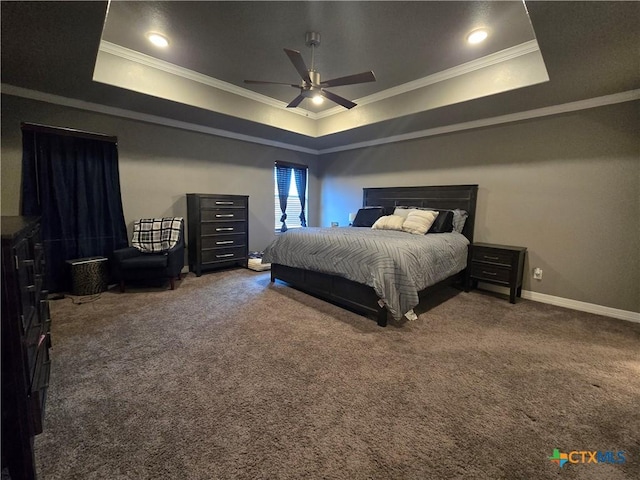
point(175, 259)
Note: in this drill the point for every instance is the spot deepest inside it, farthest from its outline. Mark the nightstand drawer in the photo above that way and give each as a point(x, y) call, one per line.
point(492, 255)
point(499, 264)
point(493, 273)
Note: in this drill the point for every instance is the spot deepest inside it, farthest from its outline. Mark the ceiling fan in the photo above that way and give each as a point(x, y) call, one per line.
point(311, 85)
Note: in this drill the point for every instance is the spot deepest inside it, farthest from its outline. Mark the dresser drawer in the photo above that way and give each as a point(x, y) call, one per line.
point(223, 241)
point(222, 228)
point(218, 231)
point(493, 273)
point(39, 376)
point(492, 255)
point(223, 254)
point(217, 215)
point(222, 202)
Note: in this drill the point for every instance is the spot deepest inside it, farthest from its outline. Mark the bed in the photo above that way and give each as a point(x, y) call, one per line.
point(377, 294)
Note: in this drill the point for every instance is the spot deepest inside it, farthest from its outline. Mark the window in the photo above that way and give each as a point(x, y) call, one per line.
point(295, 201)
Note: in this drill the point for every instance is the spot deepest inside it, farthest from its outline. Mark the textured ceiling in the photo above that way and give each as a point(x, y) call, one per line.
point(49, 51)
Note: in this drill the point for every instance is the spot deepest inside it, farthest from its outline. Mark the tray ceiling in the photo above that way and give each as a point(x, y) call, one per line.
point(417, 47)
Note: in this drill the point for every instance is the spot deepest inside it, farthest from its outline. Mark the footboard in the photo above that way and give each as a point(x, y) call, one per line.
point(341, 291)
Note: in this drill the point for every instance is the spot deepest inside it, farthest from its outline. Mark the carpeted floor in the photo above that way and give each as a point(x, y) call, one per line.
point(231, 377)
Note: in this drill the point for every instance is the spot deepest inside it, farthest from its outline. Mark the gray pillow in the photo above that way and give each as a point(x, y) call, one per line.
point(459, 219)
point(367, 216)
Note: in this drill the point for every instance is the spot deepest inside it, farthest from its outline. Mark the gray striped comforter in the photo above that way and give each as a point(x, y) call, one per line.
point(396, 264)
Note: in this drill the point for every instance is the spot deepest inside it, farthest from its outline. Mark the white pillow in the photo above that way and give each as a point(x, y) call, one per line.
point(403, 211)
point(419, 221)
point(389, 222)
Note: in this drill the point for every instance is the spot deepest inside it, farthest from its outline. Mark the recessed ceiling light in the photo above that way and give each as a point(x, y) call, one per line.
point(318, 100)
point(477, 36)
point(158, 39)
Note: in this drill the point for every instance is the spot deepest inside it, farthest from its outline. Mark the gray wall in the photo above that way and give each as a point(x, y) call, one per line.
point(159, 165)
point(567, 187)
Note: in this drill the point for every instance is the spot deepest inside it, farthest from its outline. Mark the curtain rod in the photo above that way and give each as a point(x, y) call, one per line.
point(292, 165)
point(71, 132)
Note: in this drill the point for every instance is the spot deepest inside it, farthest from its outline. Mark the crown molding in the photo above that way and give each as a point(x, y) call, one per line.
point(468, 67)
point(144, 117)
point(628, 96)
point(149, 61)
point(612, 99)
point(477, 64)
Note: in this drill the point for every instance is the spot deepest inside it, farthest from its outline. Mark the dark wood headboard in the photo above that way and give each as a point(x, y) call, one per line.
point(439, 196)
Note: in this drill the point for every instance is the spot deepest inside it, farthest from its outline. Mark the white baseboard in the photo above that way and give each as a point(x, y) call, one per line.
point(568, 303)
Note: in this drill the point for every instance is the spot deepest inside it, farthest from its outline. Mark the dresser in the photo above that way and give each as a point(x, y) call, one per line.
point(26, 340)
point(218, 228)
point(496, 264)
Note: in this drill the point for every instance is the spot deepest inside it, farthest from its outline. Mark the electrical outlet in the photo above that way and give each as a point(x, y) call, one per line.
point(537, 273)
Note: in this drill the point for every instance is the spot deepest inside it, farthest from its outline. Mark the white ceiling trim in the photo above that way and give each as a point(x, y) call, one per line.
point(622, 97)
point(143, 117)
point(628, 96)
point(149, 61)
point(477, 64)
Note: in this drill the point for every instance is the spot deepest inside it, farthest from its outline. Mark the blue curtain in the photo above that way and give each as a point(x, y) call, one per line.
point(300, 175)
point(283, 179)
point(73, 184)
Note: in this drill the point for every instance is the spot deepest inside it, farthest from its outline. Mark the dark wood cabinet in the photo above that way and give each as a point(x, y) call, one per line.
point(496, 264)
point(26, 340)
point(218, 228)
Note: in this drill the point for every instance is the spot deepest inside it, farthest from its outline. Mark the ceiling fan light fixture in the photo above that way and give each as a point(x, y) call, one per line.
point(477, 36)
point(158, 39)
point(311, 86)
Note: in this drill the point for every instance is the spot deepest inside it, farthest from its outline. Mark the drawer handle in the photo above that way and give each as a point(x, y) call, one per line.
point(227, 215)
point(225, 255)
point(224, 203)
point(487, 257)
point(227, 242)
point(227, 229)
point(493, 274)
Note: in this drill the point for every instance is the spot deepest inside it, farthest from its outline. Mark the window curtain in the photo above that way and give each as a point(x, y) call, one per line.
point(283, 179)
point(73, 184)
point(300, 175)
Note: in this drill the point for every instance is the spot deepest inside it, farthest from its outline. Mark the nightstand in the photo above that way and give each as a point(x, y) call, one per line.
point(497, 264)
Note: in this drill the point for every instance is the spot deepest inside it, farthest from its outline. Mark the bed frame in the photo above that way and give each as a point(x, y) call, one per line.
point(363, 298)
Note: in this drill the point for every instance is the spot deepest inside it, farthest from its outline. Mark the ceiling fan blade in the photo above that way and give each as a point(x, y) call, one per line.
point(363, 77)
point(338, 99)
point(261, 82)
point(298, 62)
point(296, 101)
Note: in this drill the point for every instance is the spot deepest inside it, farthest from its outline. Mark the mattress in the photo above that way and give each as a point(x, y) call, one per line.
point(397, 265)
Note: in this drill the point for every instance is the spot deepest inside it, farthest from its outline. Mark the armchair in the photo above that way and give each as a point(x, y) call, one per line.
point(147, 260)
